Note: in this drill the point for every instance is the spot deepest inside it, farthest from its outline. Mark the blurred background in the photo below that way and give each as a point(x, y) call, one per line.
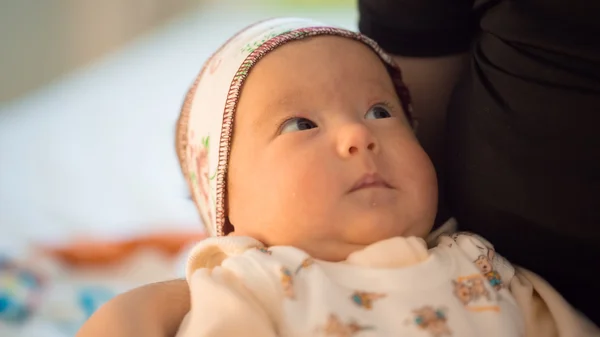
point(92, 201)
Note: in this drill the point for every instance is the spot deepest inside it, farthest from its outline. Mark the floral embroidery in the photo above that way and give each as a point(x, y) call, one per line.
point(365, 299)
point(201, 177)
point(252, 46)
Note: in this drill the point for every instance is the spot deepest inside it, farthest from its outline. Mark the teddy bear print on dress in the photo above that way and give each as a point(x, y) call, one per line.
point(365, 299)
point(486, 257)
point(484, 263)
point(431, 320)
point(472, 292)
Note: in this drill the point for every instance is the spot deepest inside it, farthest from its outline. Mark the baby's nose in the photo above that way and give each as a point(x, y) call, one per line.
point(356, 138)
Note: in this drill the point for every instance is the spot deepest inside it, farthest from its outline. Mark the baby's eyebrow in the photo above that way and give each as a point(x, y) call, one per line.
point(275, 110)
point(378, 85)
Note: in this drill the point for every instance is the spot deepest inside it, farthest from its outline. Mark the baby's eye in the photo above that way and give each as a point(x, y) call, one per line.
point(297, 124)
point(378, 112)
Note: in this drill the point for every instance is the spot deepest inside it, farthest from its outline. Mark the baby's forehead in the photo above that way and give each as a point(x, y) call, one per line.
point(309, 74)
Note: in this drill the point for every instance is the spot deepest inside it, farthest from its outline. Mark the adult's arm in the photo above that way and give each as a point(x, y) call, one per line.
point(154, 310)
point(430, 40)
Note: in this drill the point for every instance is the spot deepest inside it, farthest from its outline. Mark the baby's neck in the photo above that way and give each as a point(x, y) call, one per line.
point(391, 253)
point(402, 248)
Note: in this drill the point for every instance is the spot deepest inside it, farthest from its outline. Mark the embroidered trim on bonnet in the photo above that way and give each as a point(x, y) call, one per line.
point(222, 226)
point(182, 127)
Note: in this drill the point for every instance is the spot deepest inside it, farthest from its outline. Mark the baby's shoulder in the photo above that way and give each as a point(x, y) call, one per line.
point(471, 244)
point(212, 252)
point(475, 250)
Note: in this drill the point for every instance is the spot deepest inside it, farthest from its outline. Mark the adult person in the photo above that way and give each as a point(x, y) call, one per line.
point(519, 137)
point(516, 142)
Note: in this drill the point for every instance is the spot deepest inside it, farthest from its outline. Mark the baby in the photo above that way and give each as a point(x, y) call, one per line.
point(297, 142)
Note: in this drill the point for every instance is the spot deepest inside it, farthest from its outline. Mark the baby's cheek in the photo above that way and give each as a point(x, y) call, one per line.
point(294, 178)
point(414, 166)
point(304, 182)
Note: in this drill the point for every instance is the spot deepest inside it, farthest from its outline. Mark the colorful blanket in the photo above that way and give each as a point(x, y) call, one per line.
point(52, 294)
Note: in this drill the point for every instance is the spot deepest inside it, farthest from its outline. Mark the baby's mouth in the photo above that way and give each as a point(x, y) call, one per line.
point(369, 180)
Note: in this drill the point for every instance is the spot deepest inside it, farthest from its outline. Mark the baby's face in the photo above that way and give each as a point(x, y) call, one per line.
point(323, 157)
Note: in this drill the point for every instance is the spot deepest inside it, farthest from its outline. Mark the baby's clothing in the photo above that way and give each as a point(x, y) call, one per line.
point(396, 287)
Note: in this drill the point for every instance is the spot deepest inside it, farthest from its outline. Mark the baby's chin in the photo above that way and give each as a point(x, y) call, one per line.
point(381, 228)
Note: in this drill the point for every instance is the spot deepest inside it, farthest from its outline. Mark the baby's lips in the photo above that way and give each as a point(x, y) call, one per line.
point(369, 180)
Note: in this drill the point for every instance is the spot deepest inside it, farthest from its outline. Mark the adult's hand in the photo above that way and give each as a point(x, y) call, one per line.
point(154, 310)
